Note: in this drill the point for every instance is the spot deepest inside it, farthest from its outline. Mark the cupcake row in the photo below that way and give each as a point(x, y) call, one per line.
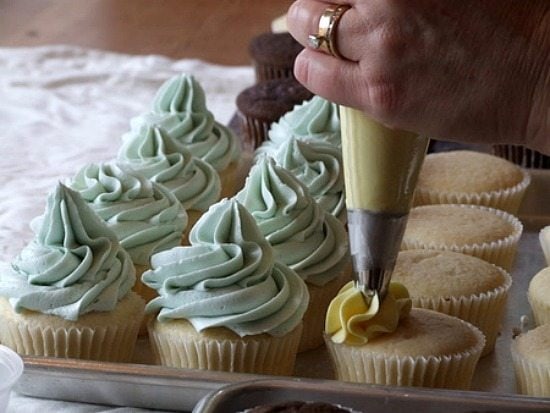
point(247, 284)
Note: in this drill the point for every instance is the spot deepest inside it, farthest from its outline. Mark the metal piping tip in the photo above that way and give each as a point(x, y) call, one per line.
point(375, 240)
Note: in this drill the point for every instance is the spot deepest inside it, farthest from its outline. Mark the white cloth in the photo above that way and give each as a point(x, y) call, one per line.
point(62, 107)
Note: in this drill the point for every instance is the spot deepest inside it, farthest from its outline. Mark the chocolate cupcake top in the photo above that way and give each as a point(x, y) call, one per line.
point(275, 49)
point(269, 100)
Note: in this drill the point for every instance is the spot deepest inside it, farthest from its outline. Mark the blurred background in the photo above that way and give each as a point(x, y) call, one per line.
point(217, 31)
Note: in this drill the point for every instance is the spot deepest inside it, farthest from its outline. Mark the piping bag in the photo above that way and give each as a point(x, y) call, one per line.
point(381, 168)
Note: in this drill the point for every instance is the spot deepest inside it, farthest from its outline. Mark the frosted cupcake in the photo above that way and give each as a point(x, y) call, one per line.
point(145, 216)
point(316, 120)
point(151, 152)
point(180, 108)
point(458, 285)
point(307, 239)
point(68, 293)
point(468, 177)
point(224, 302)
point(538, 295)
point(531, 358)
point(385, 343)
point(486, 233)
point(318, 166)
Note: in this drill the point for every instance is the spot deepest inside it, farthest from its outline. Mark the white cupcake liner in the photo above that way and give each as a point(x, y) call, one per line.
point(260, 354)
point(508, 199)
point(484, 310)
point(502, 252)
point(544, 238)
point(110, 343)
point(314, 317)
point(520, 155)
point(532, 379)
point(453, 371)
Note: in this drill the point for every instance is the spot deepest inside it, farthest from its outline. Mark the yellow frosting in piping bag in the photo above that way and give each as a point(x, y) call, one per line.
point(351, 321)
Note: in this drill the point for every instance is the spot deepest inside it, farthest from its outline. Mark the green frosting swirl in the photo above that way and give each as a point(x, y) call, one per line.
point(151, 151)
point(305, 237)
point(145, 216)
point(319, 167)
point(181, 93)
point(73, 266)
point(180, 108)
point(316, 119)
point(227, 278)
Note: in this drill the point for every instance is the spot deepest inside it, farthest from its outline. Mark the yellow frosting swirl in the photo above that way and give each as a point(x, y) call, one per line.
point(350, 320)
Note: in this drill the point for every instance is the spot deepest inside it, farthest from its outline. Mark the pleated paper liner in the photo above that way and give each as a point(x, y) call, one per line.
point(177, 344)
point(502, 252)
point(507, 199)
point(102, 336)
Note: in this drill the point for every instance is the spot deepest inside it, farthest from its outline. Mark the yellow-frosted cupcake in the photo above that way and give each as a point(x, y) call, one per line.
point(531, 358)
point(67, 294)
point(383, 343)
point(487, 233)
point(469, 177)
point(224, 303)
point(305, 237)
point(539, 296)
point(458, 285)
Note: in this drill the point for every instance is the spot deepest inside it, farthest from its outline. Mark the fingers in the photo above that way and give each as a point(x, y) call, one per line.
point(330, 77)
point(303, 20)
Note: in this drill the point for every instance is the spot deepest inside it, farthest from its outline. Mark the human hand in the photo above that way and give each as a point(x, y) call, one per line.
point(473, 70)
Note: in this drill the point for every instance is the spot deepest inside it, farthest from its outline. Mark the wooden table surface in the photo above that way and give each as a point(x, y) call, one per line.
point(217, 31)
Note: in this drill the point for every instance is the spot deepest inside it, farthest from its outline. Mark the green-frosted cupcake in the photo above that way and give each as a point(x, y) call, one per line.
point(224, 303)
point(67, 294)
point(304, 236)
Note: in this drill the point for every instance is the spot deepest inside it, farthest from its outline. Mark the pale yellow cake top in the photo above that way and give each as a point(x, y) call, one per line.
point(431, 273)
point(467, 172)
point(427, 333)
point(535, 344)
point(447, 224)
point(539, 287)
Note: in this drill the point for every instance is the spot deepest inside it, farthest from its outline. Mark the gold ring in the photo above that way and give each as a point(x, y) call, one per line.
point(325, 39)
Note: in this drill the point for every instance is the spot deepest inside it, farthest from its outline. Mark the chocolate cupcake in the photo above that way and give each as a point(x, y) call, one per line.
point(260, 105)
point(522, 156)
point(273, 55)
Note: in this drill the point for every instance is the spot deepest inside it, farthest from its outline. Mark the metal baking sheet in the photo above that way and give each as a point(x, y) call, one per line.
point(149, 386)
point(364, 398)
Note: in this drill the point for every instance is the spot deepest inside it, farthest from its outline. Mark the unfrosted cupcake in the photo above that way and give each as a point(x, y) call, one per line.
point(145, 216)
point(531, 358)
point(180, 108)
point(544, 238)
point(458, 285)
point(306, 238)
point(487, 233)
point(259, 105)
point(318, 165)
point(384, 343)
point(316, 119)
point(224, 302)
point(538, 295)
point(68, 293)
point(469, 177)
point(153, 153)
